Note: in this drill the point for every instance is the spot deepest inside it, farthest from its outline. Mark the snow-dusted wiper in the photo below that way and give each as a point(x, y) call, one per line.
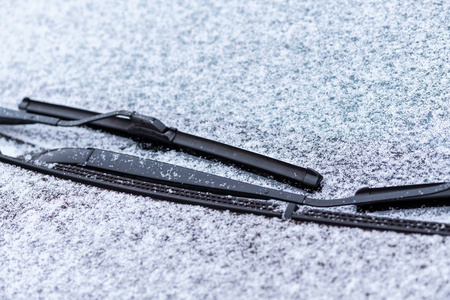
point(165, 181)
point(177, 176)
point(149, 129)
point(130, 174)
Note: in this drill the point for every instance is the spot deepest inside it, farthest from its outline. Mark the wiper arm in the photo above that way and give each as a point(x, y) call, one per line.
point(149, 129)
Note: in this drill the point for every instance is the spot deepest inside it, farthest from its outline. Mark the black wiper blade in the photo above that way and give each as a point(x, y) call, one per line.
point(160, 172)
point(164, 181)
point(149, 129)
point(169, 182)
point(364, 198)
point(173, 175)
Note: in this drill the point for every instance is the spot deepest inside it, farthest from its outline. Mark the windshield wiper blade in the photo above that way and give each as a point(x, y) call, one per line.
point(149, 129)
point(165, 181)
point(170, 174)
point(369, 199)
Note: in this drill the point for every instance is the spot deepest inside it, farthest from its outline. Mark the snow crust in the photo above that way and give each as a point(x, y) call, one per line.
point(355, 90)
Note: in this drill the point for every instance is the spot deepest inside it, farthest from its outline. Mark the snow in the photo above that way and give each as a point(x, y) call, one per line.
point(355, 90)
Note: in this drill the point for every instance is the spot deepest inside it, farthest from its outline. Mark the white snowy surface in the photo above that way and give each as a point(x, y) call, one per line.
point(357, 90)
